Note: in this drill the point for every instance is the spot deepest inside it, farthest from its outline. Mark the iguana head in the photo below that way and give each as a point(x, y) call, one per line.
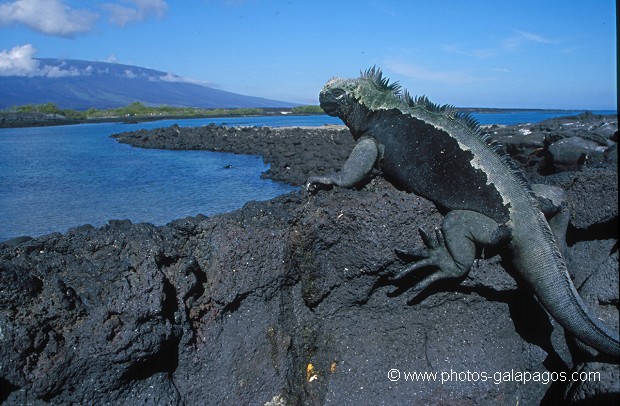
point(337, 96)
point(353, 100)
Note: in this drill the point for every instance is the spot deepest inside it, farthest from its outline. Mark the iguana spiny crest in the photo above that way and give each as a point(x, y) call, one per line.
point(376, 92)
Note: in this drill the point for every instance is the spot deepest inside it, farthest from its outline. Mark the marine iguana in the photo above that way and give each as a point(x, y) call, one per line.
point(441, 154)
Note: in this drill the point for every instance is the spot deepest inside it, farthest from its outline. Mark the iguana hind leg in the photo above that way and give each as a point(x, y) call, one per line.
point(453, 249)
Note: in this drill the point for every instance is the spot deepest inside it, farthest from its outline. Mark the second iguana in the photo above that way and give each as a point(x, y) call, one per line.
point(441, 154)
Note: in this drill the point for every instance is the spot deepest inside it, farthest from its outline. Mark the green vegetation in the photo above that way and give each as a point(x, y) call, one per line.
point(140, 110)
point(135, 109)
point(50, 108)
point(307, 110)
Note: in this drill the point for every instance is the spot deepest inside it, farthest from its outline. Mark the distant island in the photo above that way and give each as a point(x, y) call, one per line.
point(36, 115)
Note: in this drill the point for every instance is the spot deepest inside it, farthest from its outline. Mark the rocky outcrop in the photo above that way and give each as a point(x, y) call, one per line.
point(288, 302)
point(559, 144)
point(11, 120)
point(551, 146)
point(292, 152)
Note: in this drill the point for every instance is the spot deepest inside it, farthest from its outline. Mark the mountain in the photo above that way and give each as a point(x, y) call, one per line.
point(75, 84)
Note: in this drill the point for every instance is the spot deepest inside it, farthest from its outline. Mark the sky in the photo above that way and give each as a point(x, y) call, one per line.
point(468, 53)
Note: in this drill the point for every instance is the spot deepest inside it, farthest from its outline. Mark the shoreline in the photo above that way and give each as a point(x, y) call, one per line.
point(294, 153)
point(21, 120)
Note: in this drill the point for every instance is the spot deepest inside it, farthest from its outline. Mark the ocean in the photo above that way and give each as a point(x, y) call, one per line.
point(55, 178)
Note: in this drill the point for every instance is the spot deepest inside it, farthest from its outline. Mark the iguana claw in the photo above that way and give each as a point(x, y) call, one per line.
point(316, 183)
point(435, 254)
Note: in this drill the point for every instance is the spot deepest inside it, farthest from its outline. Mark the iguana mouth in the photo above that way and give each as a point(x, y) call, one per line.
point(331, 109)
point(328, 104)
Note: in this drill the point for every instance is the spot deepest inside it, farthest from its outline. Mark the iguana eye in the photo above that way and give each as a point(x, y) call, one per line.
point(338, 93)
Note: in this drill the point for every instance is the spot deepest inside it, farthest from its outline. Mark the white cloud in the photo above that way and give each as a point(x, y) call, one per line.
point(56, 17)
point(170, 77)
point(136, 10)
point(432, 75)
point(523, 37)
point(512, 43)
point(481, 53)
point(59, 72)
point(535, 37)
point(20, 61)
point(50, 17)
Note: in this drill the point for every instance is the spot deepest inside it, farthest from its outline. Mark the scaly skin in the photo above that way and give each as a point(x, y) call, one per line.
point(440, 154)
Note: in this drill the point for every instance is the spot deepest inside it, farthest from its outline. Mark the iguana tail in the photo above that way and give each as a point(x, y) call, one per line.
point(545, 270)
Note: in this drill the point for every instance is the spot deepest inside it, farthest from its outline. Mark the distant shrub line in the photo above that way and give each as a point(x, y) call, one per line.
point(140, 110)
point(307, 110)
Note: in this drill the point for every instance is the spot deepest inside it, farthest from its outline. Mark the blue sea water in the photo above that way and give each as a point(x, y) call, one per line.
point(55, 178)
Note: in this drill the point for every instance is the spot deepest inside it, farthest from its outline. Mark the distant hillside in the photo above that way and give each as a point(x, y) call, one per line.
point(73, 84)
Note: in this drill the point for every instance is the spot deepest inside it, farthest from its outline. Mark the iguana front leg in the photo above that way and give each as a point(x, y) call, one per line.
point(452, 250)
point(355, 169)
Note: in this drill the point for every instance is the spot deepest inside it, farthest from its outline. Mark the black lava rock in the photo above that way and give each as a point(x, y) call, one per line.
point(292, 152)
point(288, 301)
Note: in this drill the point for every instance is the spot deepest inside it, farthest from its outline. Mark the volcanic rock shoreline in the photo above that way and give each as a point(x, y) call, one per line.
point(292, 152)
point(288, 302)
point(551, 146)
